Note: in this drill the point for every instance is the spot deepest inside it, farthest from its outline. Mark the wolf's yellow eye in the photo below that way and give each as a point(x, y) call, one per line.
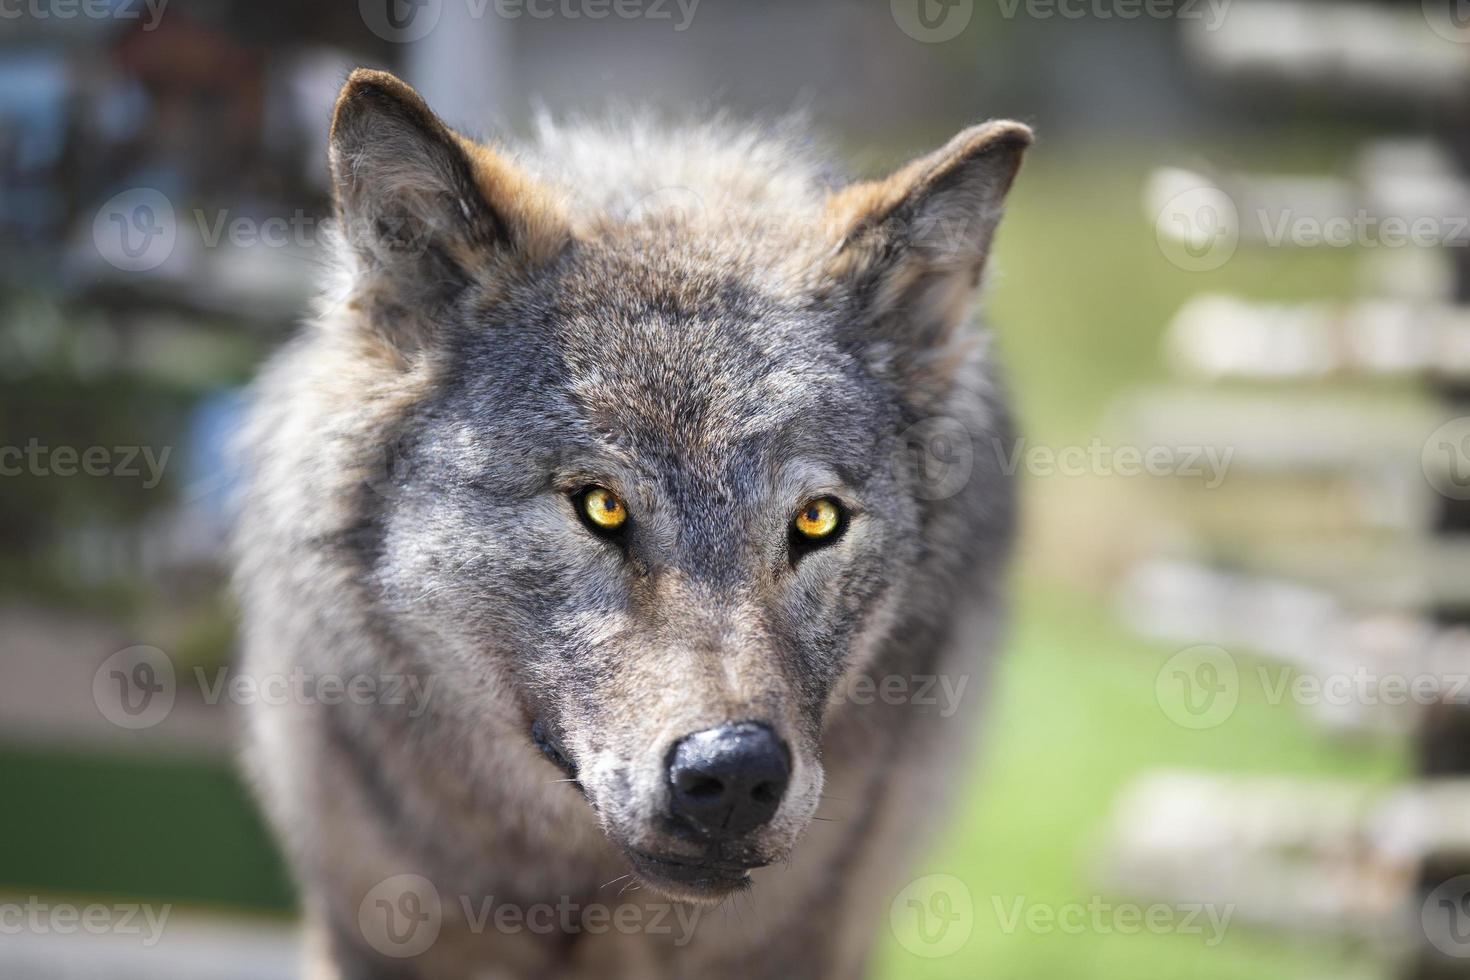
point(818, 519)
point(603, 509)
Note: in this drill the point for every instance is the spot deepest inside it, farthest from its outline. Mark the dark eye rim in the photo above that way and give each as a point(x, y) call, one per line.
point(579, 504)
point(799, 544)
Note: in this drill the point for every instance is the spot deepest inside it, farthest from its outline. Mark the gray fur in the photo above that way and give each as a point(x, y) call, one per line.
point(716, 363)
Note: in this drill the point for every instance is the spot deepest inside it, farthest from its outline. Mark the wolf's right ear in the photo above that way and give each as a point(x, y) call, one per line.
point(424, 210)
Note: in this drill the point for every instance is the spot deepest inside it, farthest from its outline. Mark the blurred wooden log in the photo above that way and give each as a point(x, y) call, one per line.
point(1356, 52)
point(1324, 857)
point(1404, 195)
point(1291, 432)
point(1218, 336)
point(1368, 669)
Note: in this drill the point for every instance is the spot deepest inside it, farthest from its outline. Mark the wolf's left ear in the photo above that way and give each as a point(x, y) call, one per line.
point(424, 210)
point(910, 250)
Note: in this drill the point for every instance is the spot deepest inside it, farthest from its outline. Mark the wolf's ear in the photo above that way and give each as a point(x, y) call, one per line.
point(910, 249)
point(424, 210)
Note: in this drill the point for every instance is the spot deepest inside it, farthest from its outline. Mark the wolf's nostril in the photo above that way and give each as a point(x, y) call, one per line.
point(766, 793)
point(727, 781)
point(704, 788)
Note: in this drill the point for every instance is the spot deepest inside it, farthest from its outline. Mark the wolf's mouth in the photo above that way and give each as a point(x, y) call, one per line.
point(706, 879)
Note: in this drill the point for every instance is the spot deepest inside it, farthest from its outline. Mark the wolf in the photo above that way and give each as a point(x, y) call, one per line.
point(659, 457)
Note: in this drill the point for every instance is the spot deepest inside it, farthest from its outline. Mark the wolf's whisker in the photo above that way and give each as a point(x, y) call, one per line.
point(759, 919)
point(615, 880)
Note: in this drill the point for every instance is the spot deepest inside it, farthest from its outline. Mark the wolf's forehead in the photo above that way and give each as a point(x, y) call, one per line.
point(666, 352)
point(655, 380)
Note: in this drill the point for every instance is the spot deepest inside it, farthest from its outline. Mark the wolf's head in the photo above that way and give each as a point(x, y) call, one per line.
point(640, 489)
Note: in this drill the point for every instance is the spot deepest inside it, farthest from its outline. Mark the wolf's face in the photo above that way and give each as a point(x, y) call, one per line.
point(646, 494)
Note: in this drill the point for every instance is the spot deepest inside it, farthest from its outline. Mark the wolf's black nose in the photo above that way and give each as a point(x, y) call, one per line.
point(729, 780)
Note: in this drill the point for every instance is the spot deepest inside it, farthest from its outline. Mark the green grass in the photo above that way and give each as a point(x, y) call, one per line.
point(161, 830)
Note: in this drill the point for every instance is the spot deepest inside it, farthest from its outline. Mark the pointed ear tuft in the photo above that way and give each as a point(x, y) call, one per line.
point(911, 249)
point(424, 210)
